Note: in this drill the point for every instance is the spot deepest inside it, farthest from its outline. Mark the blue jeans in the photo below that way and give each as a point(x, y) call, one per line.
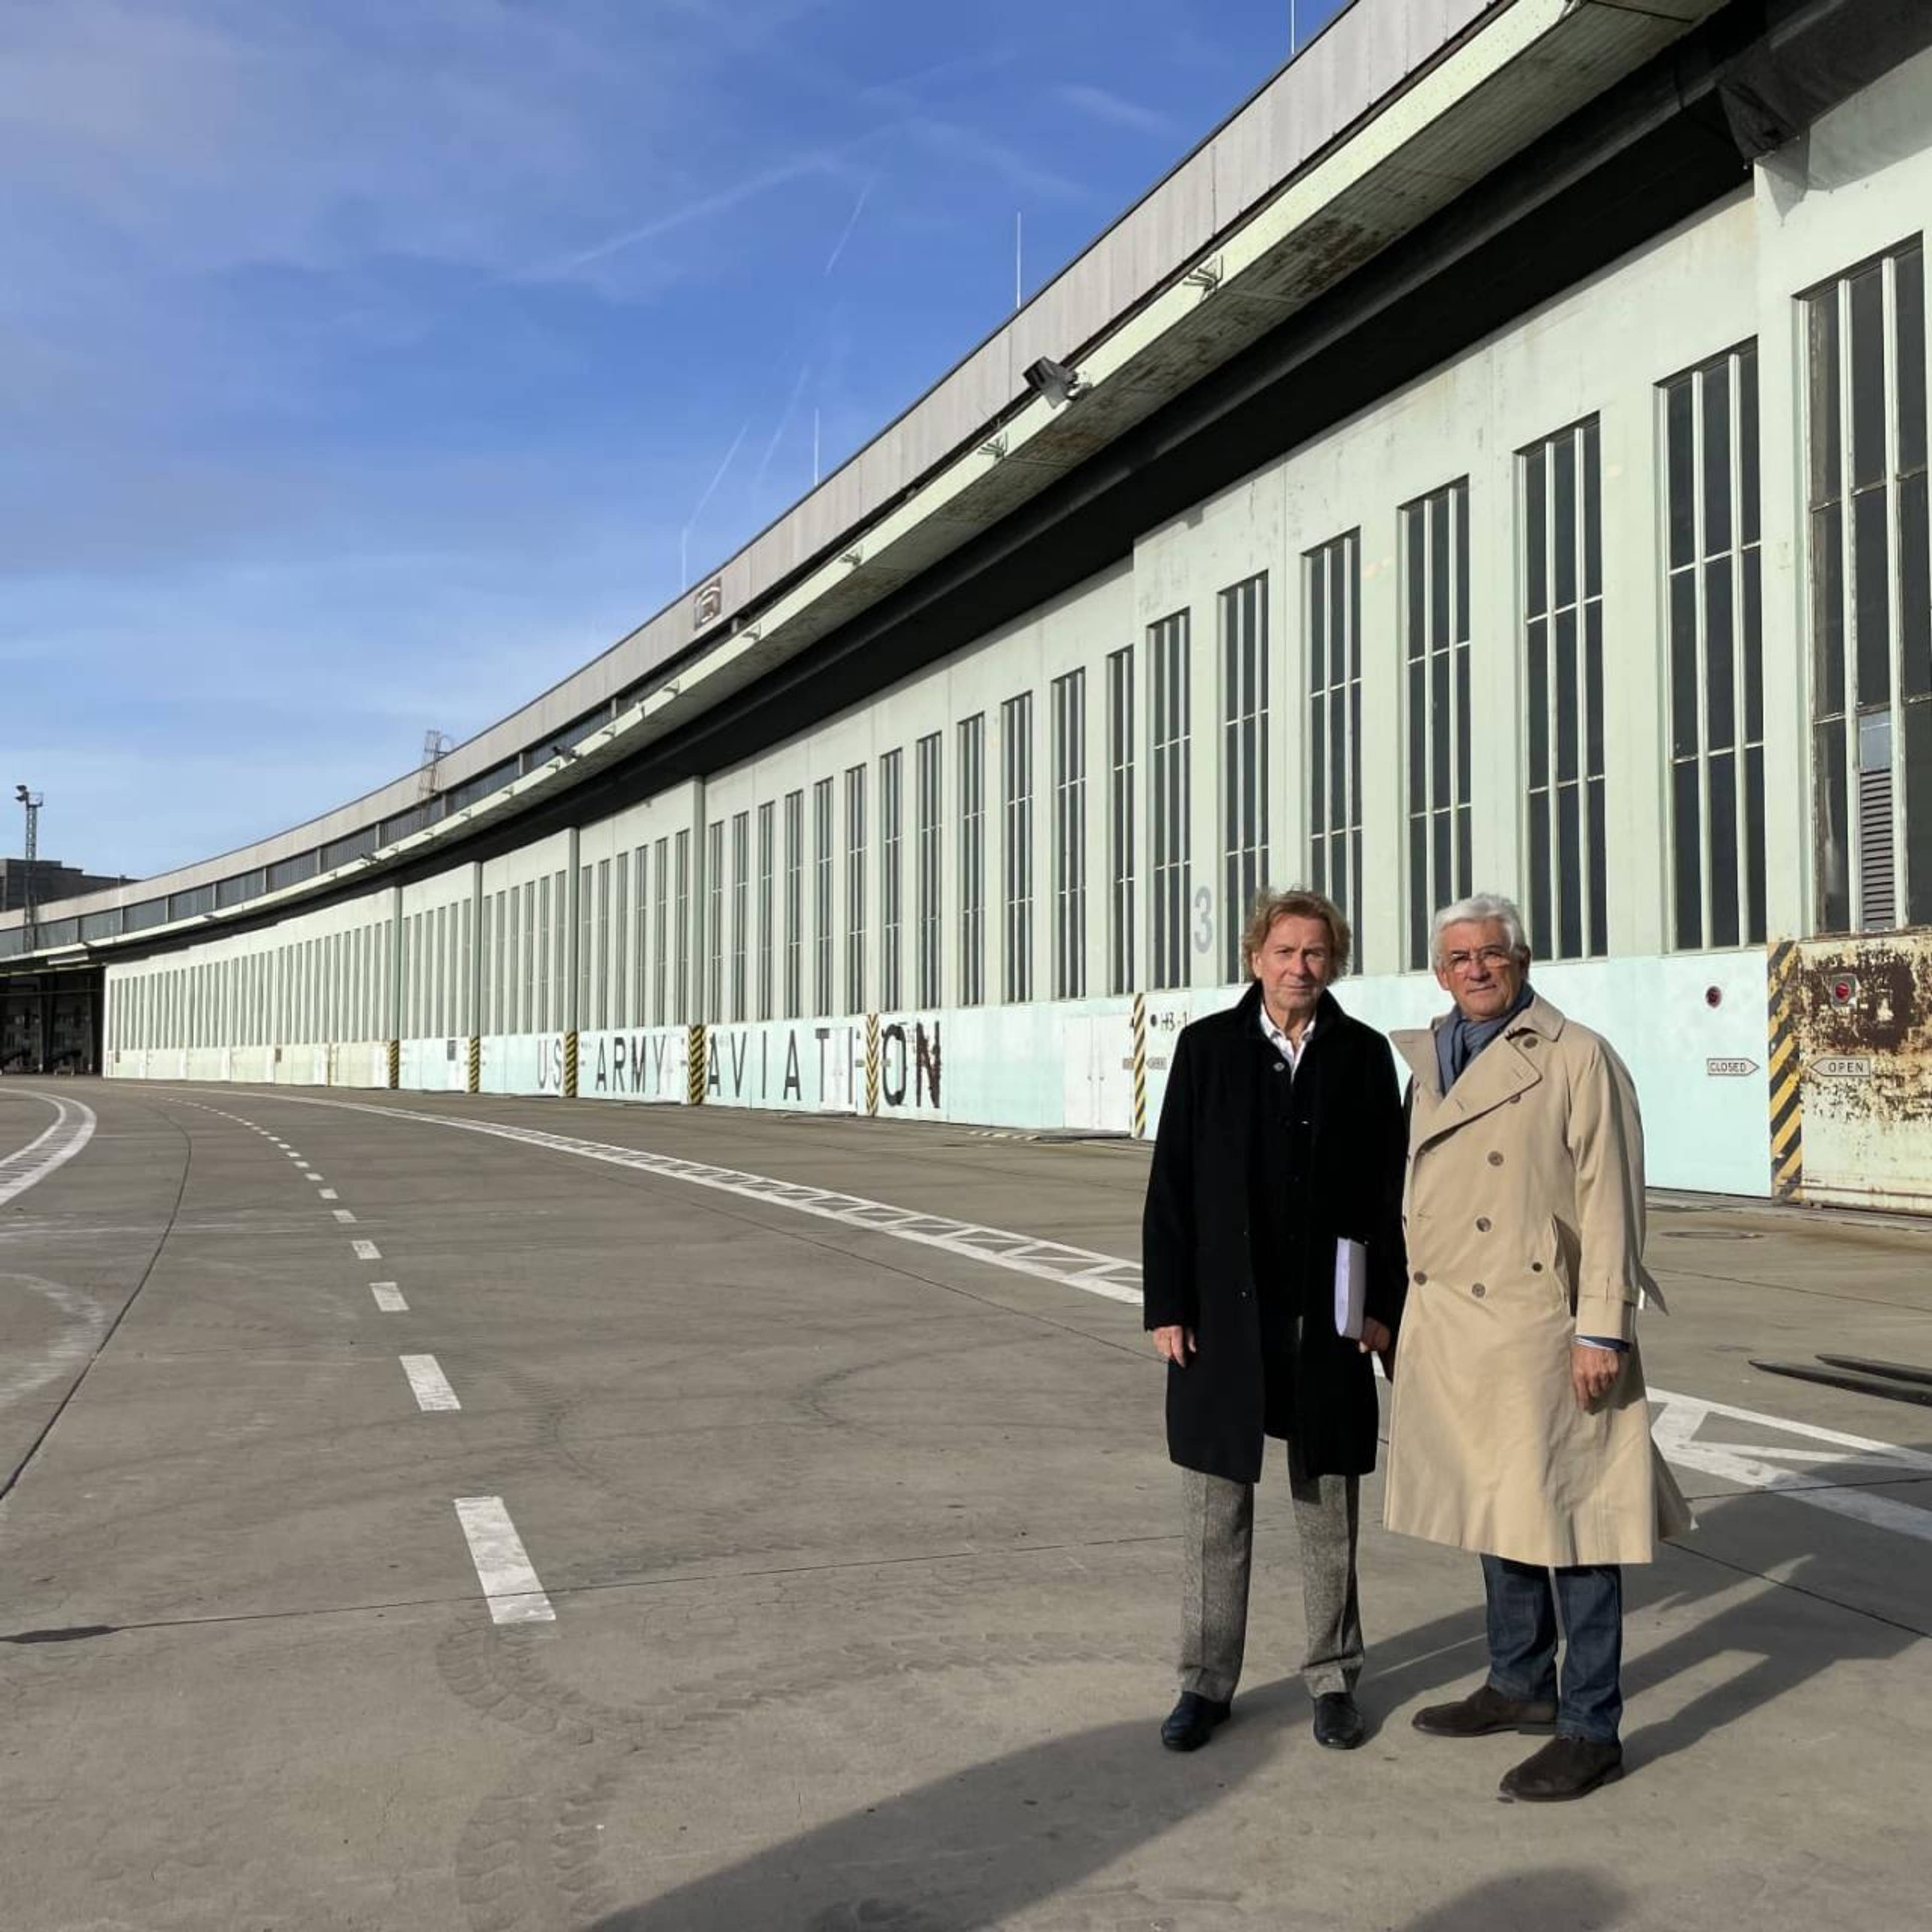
point(1523, 1611)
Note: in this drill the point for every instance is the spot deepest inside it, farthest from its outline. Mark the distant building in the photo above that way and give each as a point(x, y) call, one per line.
point(52, 881)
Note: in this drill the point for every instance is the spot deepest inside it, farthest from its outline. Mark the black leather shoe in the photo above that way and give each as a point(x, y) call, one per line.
point(1338, 1724)
point(1483, 1711)
point(1566, 1767)
point(1191, 1721)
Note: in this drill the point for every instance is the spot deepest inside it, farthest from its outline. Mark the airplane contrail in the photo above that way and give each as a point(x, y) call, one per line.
point(858, 209)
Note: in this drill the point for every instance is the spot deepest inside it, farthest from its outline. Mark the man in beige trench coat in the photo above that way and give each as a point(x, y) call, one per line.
point(1520, 1427)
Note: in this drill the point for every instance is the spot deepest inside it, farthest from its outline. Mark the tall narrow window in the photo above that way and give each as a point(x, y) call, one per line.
point(1244, 715)
point(1016, 768)
point(586, 903)
point(1717, 678)
point(640, 887)
point(1069, 836)
point(927, 834)
point(1167, 666)
point(620, 928)
point(1120, 821)
point(1334, 577)
point(767, 835)
point(661, 936)
point(680, 938)
point(600, 957)
point(714, 921)
point(855, 890)
point(547, 920)
point(1871, 602)
point(1436, 646)
point(821, 911)
point(502, 957)
point(794, 905)
point(561, 943)
point(892, 805)
point(741, 909)
point(972, 859)
point(561, 955)
point(1563, 608)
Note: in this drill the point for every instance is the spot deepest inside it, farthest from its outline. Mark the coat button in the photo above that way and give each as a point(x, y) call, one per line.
point(1529, 1040)
point(1495, 1160)
point(1479, 1291)
point(1482, 1224)
point(1420, 1277)
point(1536, 1267)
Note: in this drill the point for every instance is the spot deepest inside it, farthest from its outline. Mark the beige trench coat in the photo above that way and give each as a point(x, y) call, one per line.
point(1525, 1220)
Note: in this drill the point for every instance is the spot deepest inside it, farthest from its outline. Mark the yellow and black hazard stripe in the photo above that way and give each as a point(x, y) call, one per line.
point(1140, 1066)
point(871, 1063)
point(696, 1065)
point(395, 1064)
point(570, 1065)
point(475, 1085)
point(1786, 1069)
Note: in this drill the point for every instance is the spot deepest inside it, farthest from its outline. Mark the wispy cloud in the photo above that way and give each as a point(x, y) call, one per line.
point(705, 207)
point(1100, 103)
point(845, 234)
point(784, 424)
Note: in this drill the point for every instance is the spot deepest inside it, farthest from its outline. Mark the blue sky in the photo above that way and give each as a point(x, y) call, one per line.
point(362, 366)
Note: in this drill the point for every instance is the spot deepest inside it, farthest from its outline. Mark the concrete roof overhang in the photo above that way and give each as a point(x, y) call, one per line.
point(1501, 75)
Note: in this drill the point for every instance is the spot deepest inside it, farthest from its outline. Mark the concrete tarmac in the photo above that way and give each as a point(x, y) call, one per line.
point(850, 1537)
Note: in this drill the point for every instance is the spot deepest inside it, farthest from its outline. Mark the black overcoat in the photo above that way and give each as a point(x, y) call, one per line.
point(1225, 1225)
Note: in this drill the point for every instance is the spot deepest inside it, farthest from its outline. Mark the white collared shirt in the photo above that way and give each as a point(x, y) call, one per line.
point(1288, 1049)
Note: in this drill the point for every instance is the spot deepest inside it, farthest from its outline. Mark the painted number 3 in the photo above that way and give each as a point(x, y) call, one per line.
point(1203, 919)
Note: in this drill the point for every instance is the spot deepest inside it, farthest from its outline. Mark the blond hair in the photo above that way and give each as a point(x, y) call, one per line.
point(1298, 903)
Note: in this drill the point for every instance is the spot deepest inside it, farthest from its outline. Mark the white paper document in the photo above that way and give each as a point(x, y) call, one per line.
point(1352, 1287)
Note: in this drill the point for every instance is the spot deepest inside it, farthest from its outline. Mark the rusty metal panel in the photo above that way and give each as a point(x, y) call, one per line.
point(1861, 1016)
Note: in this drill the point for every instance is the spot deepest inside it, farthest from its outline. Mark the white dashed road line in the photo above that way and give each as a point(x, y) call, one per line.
point(431, 1385)
point(327, 1194)
point(1682, 1418)
point(342, 1214)
point(503, 1566)
point(367, 1251)
point(388, 1298)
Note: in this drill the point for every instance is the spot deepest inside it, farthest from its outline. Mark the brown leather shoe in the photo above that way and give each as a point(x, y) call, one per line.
point(1566, 1767)
point(1483, 1711)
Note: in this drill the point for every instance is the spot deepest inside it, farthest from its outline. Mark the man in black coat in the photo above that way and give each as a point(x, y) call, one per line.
point(1282, 1132)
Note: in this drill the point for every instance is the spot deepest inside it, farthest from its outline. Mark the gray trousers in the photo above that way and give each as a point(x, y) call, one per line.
point(1217, 1546)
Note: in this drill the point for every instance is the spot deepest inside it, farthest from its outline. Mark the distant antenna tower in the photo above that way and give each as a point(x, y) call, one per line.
point(435, 744)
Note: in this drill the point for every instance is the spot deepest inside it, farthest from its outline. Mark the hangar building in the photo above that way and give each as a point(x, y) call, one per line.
point(1495, 459)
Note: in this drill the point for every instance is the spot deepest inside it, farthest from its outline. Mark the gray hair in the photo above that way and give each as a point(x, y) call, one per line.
point(1484, 906)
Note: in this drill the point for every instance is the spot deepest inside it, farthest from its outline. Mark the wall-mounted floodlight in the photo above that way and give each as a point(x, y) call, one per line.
point(1055, 381)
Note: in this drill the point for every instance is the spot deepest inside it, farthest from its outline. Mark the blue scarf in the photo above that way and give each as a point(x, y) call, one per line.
point(1458, 1040)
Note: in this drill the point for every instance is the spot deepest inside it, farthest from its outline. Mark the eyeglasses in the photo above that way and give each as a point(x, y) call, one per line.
point(1491, 956)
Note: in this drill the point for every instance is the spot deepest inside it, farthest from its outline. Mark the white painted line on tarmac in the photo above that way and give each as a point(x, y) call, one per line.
point(84, 1321)
point(1755, 1466)
point(503, 1566)
point(388, 1298)
point(367, 1251)
point(342, 1214)
point(73, 1128)
point(1768, 1466)
point(328, 1194)
point(431, 1385)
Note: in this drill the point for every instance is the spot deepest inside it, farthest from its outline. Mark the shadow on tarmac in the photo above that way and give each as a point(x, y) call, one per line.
point(1578, 1900)
point(991, 1842)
